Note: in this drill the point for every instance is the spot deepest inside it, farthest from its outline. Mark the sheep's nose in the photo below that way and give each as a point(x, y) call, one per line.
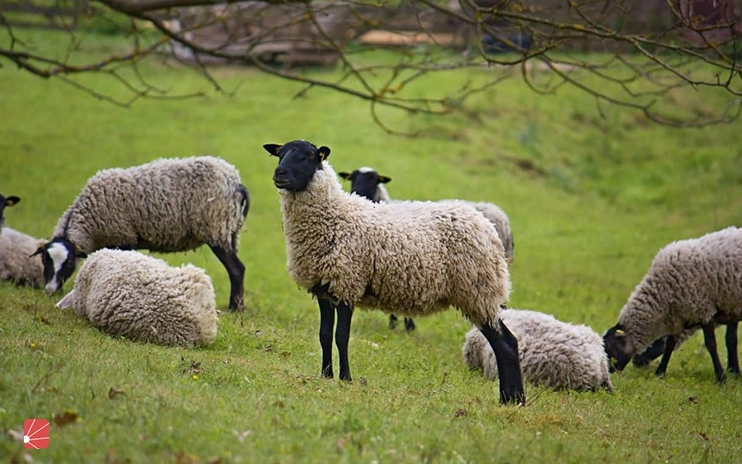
point(279, 172)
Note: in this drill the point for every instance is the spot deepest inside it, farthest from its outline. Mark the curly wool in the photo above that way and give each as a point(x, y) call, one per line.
point(168, 205)
point(410, 258)
point(127, 293)
point(689, 283)
point(501, 222)
point(552, 353)
point(15, 262)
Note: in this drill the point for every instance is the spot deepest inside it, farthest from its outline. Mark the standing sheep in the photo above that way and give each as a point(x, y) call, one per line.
point(690, 283)
point(414, 258)
point(367, 183)
point(168, 205)
point(552, 353)
point(6, 201)
point(15, 262)
point(129, 294)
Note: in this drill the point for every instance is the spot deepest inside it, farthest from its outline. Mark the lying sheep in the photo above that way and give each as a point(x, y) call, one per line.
point(168, 205)
point(15, 263)
point(6, 201)
point(691, 283)
point(552, 353)
point(367, 183)
point(129, 294)
point(412, 258)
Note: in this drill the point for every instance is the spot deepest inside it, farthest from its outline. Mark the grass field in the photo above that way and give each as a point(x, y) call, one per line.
point(591, 199)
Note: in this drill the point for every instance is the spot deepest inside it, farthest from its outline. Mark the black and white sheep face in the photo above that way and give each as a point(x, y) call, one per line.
point(59, 258)
point(298, 161)
point(6, 201)
point(617, 348)
point(365, 181)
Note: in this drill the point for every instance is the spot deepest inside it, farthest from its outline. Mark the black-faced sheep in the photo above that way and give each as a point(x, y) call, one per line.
point(368, 183)
point(168, 205)
point(6, 201)
point(553, 353)
point(412, 258)
point(129, 294)
point(690, 283)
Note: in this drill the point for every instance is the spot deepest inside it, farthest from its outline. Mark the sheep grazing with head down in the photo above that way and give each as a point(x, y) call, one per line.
point(129, 294)
point(168, 205)
point(6, 201)
point(368, 183)
point(553, 353)
point(690, 283)
point(412, 258)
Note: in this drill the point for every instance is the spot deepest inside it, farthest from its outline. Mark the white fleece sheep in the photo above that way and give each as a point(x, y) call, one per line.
point(127, 293)
point(368, 183)
point(690, 283)
point(553, 353)
point(411, 258)
point(168, 205)
point(15, 262)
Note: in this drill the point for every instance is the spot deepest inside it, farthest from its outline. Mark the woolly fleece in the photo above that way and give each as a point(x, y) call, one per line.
point(168, 205)
point(689, 283)
point(15, 262)
point(127, 293)
point(414, 258)
point(552, 353)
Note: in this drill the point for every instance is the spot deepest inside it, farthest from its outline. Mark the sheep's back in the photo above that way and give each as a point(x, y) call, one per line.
point(126, 293)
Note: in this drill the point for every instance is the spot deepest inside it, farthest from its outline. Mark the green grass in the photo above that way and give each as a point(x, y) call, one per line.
point(591, 199)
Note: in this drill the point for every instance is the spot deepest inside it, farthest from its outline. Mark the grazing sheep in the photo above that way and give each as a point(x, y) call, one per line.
point(15, 262)
point(6, 201)
point(659, 346)
point(127, 293)
point(552, 353)
point(367, 183)
point(413, 258)
point(690, 283)
point(168, 205)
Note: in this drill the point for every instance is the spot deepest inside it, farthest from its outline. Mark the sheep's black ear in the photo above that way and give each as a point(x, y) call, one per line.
point(38, 251)
point(79, 253)
point(11, 200)
point(345, 175)
point(272, 148)
point(384, 179)
point(324, 152)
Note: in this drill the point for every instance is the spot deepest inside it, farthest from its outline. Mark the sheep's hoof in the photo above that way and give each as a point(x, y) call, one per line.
point(409, 325)
point(720, 379)
point(327, 373)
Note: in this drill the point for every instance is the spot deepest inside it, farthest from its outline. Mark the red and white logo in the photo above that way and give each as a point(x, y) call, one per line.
point(36, 433)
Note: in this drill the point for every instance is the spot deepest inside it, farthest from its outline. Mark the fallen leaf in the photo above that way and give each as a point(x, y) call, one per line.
point(693, 399)
point(461, 413)
point(45, 321)
point(113, 392)
point(64, 418)
point(285, 354)
point(16, 435)
point(241, 435)
point(363, 381)
point(268, 348)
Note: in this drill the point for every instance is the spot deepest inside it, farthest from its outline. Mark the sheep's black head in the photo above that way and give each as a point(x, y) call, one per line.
point(59, 257)
point(6, 201)
point(365, 182)
point(617, 348)
point(654, 351)
point(297, 163)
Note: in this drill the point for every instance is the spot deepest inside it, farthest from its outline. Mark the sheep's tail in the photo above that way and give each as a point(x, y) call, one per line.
point(245, 201)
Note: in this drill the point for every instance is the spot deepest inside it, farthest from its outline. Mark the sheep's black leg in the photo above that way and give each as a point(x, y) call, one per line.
point(236, 271)
point(670, 342)
point(326, 323)
point(710, 340)
point(342, 335)
point(505, 346)
point(392, 321)
point(732, 359)
point(409, 324)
